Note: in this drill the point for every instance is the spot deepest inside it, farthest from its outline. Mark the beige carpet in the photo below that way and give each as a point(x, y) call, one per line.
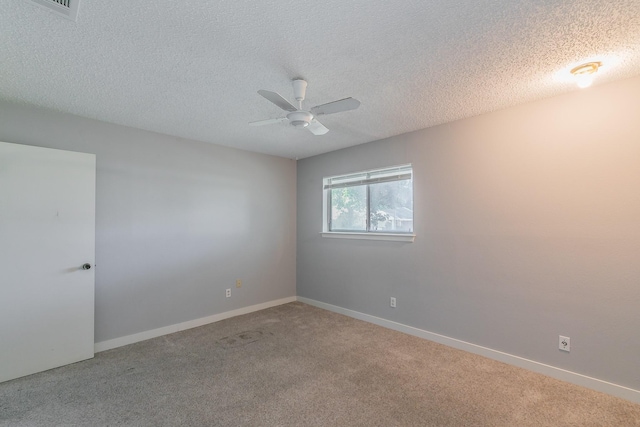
point(297, 365)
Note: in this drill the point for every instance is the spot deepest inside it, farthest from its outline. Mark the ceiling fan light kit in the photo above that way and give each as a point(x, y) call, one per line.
point(300, 118)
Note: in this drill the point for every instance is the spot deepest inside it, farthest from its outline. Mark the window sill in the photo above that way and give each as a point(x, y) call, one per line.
point(408, 238)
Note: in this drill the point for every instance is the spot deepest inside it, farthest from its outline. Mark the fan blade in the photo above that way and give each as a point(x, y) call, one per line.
point(335, 107)
point(317, 128)
point(277, 99)
point(268, 122)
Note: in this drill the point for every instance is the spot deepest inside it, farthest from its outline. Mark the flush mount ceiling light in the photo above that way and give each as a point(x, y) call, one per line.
point(584, 73)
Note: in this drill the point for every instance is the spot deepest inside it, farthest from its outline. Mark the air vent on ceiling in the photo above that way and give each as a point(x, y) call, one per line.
point(66, 8)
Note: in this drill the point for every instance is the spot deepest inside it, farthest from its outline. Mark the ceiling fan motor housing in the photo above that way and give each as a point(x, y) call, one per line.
point(300, 118)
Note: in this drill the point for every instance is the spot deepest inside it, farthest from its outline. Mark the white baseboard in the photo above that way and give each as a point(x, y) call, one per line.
point(551, 371)
point(142, 336)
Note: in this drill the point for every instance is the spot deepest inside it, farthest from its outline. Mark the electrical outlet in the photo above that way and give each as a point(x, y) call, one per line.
point(238, 283)
point(392, 302)
point(564, 343)
point(228, 293)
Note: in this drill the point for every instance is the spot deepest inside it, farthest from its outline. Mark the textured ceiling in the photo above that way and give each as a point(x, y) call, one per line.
point(192, 69)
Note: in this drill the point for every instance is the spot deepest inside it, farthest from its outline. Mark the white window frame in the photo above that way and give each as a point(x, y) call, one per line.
point(373, 176)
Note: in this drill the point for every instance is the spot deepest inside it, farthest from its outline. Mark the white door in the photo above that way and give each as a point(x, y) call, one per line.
point(47, 233)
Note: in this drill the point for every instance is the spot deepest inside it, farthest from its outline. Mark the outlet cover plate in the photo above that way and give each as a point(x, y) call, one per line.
point(564, 343)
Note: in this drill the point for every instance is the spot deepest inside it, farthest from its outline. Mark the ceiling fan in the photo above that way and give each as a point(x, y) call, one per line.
point(301, 118)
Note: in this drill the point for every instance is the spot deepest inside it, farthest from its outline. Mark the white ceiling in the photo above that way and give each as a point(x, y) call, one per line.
point(192, 68)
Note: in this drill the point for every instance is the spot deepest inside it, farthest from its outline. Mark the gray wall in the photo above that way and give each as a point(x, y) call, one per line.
point(177, 221)
point(527, 223)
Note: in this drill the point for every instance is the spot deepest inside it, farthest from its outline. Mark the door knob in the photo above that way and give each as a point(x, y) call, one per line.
point(86, 266)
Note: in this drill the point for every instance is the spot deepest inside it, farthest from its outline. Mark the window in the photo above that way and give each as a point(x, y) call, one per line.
point(375, 202)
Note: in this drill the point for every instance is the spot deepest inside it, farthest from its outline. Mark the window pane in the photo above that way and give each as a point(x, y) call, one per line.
point(348, 209)
point(392, 206)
